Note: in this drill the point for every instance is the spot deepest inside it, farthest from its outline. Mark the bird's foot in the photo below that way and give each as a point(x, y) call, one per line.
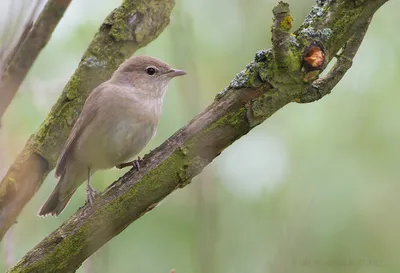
point(135, 163)
point(91, 195)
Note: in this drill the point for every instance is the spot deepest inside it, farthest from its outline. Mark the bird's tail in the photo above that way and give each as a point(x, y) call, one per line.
point(56, 203)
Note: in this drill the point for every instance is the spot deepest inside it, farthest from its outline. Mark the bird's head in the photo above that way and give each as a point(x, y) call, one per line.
point(146, 74)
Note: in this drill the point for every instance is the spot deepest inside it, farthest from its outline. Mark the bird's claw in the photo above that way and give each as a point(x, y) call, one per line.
point(135, 163)
point(91, 195)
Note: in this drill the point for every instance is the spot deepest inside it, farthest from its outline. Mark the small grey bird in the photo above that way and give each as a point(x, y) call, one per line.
point(118, 119)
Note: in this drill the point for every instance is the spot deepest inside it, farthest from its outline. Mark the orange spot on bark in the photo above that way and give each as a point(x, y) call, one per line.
point(315, 57)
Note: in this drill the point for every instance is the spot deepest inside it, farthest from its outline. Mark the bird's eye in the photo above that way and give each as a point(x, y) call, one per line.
point(151, 70)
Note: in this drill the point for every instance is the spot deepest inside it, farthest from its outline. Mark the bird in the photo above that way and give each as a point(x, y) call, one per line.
point(117, 121)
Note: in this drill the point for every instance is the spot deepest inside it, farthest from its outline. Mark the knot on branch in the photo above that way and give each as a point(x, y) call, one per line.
point(313, 57)
point(323, 86)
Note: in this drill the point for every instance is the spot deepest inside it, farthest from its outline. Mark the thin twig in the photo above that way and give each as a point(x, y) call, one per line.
point(16, 45)
point(281, 33)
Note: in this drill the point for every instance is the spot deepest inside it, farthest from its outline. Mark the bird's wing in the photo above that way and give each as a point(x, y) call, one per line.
point(89, 109)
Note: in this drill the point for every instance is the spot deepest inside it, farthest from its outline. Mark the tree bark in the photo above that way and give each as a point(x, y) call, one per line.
point(33, 39)
point(267, 84)
point(131, 26)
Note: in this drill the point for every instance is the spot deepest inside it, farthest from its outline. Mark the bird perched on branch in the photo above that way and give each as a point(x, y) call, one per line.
point(118, 119)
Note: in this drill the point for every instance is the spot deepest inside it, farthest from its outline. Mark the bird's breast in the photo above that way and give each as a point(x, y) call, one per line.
point(118, 133)
point(131, 130)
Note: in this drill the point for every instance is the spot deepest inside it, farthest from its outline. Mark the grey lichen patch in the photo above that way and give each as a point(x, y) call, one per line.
point(245, 78)
point(241, 79)
point(222, 93)
point(264, 61)
point(262, 55)
point(323, 3)
point(323, 35)
point(293, 41)
point(93, 62)
point(316, 11)
point(250, 77)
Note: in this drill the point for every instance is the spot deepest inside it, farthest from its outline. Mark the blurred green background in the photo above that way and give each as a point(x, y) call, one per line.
point(316, 188)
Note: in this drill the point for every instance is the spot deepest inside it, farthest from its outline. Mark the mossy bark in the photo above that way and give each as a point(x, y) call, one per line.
point(255, 94)
point(129, 27)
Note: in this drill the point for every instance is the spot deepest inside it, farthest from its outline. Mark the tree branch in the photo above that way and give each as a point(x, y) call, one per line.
point(254, 95)
point(131, 26)
point(323, 86)
point(33, 39)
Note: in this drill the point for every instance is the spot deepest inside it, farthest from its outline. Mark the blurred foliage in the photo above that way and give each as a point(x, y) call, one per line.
point(315, 188)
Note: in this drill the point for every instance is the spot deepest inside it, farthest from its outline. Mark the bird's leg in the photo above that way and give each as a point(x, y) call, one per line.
point(90, 192)
point(135, 163)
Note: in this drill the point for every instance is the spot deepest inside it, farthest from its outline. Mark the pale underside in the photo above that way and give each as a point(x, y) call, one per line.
point(110, 133)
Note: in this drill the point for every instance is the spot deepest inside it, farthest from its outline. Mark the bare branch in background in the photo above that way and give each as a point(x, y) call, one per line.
point(13, 32)
point(253, 96)
point(129, 27)
point(17, 62)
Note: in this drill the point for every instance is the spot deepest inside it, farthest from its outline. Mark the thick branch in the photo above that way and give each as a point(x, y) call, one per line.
point(131, 26)
point(34, 38)
point(251, 97)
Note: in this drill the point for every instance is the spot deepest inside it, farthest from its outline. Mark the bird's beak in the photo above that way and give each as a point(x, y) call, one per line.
point(175, 72)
